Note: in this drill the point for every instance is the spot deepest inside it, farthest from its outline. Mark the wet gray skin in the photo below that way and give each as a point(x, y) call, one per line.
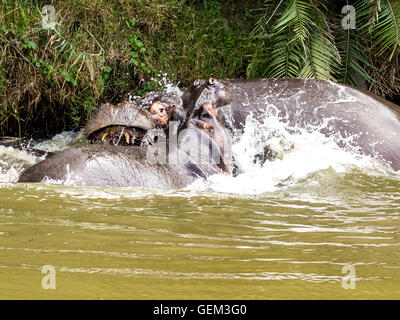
point(207, 119)
point(107, 165)
point(219, 94)
point(354, 117)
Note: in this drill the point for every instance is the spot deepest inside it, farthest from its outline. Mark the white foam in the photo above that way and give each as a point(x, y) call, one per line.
point(300, 153)
point(13, 162)
point(59, 142)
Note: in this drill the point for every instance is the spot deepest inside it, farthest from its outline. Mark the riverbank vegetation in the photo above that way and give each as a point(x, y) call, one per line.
point(53, 76)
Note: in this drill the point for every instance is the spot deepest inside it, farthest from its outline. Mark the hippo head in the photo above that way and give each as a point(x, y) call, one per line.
point(135, 123)
point(128, 122)
point(206, 120)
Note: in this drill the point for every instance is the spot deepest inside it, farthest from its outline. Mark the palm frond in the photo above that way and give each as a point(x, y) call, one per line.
point(352, 50)
point(263, 25)
point(297, 40)
point(382, 20)
point(303, 43)
point(387, 29)
point(301, 16)
point(322, 59)
point(285, 58)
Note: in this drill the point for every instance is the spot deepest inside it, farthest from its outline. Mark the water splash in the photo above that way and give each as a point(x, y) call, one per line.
point(13, 162)
point(300, 153)
point(59, 142)
point(164, 84)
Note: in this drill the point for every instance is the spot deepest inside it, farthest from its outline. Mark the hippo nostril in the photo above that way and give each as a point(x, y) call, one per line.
point(211, 81)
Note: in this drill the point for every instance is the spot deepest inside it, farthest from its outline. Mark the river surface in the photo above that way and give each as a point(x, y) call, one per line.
point(319, 222)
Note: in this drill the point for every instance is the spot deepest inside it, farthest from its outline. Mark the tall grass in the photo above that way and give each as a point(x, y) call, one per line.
point(102, 50)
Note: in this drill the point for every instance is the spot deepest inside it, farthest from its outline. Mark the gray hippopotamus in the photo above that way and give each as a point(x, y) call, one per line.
point(354, 117)
point(145, 151)
point(165, 143)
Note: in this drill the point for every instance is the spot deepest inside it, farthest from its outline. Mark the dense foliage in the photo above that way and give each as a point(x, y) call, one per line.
point(302, 38)
point(51, 78)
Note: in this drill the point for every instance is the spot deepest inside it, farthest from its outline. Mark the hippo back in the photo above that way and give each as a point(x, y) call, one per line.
point(353, 116)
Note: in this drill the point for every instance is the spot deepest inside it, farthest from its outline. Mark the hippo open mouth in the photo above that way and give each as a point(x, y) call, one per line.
point(123, 124)
point(128, 123)
point(119, 135)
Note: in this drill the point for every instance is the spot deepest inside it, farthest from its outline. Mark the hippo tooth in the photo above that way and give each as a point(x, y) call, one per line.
point(104, 137)
point(127, 137)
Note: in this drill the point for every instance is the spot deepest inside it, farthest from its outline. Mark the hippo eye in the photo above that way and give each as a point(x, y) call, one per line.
point(161, 110)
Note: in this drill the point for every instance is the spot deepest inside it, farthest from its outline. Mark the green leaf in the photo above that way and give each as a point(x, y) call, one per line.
point(29, 45)
point(352, 52)
point(387, 30)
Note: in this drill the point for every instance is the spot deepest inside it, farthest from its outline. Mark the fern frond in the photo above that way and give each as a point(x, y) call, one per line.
point(302, 16)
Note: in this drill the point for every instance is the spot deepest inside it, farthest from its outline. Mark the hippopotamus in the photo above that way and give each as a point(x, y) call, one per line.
point(136, 143)
point(355, 118)
point(164, 143)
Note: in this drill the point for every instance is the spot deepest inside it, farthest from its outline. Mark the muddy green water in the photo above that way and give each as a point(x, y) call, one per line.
point(127, 243)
